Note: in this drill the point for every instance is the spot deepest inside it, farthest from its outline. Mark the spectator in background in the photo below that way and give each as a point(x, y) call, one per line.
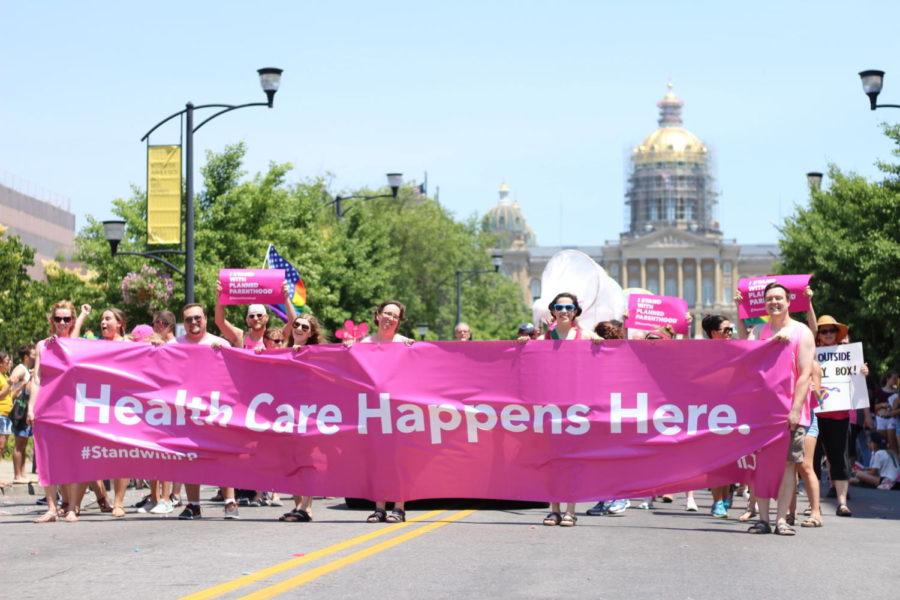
point(20, 428)
point(164, 325)
point(462, 332)
point(883, 471)
point(884, 409)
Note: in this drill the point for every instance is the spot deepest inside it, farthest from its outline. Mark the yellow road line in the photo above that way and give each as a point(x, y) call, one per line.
point(230, 586)
point(338, 563)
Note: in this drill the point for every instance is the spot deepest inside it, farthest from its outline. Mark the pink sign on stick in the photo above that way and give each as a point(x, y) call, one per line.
point(650, 312)
point(753, 303)
point(433, 420)
point(251, 286)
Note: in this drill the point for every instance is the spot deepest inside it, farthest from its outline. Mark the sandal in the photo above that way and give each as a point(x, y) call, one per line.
point(397, 516)
point(71, 517)
point(844, 511)
point(104, 505)
point(807, 511)
point(552, 519)
point(811, 522)
point(298, 515)
point(118, 512)
point(47, 517)
point(379, 516)
point(568, 520)
point(782, 528)
point(749, 514)
point(790, 520)
point(760, 527)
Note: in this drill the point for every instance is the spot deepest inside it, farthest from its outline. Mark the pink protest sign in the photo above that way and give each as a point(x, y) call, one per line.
point(650, 312)
point(432, 420)
point(251, 286)
point(753, 303)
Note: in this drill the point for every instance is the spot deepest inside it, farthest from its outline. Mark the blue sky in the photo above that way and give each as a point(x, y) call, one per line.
point(549, 97)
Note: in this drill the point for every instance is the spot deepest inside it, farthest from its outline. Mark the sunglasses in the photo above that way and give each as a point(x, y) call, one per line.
point(275, 340)
point(564, 307)
point(301, 326)
point(653, 337)
point(827, 330)
point(727, 330)
point(255, 316)
point(192, 319)
point(62, 319)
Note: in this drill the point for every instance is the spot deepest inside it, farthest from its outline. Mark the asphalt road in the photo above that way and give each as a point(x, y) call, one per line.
point(449, 553)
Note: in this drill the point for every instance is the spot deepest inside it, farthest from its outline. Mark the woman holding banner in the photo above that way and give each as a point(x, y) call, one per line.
point(388, 317)
point(62, 324)
point(564, 313)
point(305, 331)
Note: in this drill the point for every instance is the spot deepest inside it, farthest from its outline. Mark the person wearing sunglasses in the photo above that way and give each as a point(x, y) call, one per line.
point(164, 325)
point(564, 313)
point(388, 317)
point(257, 321)
point(305, 331)
point(62, 324)
point(194, 317)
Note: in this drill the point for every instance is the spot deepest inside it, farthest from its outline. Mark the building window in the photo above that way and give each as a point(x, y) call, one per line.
point(614, 271)
point(708, 284)
point(689, 210)
point(535, 288)
point(634, 275)
point(653, 276)
point(690, 283)
point(679, 209)
point(671, 279)
point(670, 209)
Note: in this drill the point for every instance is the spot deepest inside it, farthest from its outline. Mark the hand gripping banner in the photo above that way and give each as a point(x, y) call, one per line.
point(547, 420)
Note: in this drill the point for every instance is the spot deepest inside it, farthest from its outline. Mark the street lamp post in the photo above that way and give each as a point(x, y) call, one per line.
point(496, 260)
point(269, 80)
point(872, 82)
point(395, 180)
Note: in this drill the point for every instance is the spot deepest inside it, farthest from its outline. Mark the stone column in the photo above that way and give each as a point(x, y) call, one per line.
point(644, 273)
point(661, 275)
point(680, 278)
point(718, 282)
point(698, 281)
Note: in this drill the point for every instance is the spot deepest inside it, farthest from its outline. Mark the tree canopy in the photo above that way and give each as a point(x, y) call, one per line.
point(848, 238)
point(406, 249)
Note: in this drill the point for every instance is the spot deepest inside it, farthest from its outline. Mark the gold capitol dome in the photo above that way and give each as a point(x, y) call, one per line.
point(671, 142)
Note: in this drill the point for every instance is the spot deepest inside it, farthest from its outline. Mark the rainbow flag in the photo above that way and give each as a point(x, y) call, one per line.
point(291, 277)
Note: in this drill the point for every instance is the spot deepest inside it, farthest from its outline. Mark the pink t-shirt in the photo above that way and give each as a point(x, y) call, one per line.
point(251, 344)
point(795, 331)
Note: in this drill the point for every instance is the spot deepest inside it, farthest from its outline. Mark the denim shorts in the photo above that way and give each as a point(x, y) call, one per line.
point(24, 432)
point(813, 430)
point(5, 426)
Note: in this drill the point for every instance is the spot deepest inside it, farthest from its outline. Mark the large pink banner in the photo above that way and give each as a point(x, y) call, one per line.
point(544, 420)
point(251, 286)
point(753, 303)
point(650, 312)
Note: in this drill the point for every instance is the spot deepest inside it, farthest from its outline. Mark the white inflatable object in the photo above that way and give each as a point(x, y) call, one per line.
point(573, 271)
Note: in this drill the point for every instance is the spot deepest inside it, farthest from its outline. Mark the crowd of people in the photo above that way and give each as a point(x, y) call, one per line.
point(818, 439)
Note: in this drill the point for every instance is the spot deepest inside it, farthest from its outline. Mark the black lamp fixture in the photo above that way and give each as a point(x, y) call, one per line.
point(270, 80)
point(114, 231)
point(394, 181)
point(814, 179)
point(872, 82)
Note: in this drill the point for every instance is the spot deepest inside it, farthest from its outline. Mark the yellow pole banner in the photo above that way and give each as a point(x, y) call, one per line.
point(164, 195)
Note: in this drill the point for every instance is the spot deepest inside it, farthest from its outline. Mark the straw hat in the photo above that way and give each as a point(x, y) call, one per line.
point(829, 320)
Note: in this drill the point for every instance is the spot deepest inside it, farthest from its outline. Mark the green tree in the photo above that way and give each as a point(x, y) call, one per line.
point(848, 238)
point(406, 249)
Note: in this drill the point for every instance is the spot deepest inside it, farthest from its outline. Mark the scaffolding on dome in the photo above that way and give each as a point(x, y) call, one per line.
point(669, 181)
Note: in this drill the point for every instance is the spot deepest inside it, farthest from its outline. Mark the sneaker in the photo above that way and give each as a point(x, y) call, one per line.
point(142, 503)
point(646, 505)
point(218, 497)
point(163, 507)
point(175, 500)
point(719, 511)
point(690, 505)
point(886, 484)
point(190, 512)
point(599, 509)
point(146, 507)
point(231, 510)
point(254, 502)
point(727, 502)
point(617, 507)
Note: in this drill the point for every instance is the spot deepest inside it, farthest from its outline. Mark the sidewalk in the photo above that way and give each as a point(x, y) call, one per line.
point(18, 490)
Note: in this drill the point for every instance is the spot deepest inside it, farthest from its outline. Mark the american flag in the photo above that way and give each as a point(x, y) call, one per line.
point(291, 278)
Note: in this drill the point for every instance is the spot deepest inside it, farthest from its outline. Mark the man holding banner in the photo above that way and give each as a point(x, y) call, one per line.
point(782, 328)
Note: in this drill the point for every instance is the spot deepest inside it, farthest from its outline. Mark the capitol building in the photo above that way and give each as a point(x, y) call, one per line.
point(674, 244)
